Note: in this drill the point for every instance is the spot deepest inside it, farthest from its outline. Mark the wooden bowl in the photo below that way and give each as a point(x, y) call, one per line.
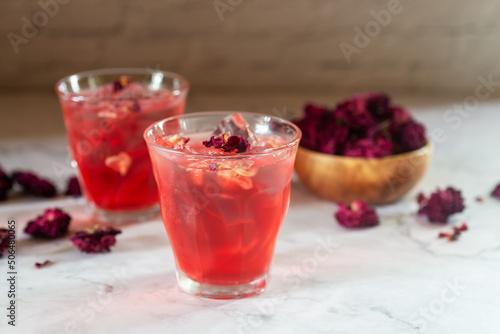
point(373, 180)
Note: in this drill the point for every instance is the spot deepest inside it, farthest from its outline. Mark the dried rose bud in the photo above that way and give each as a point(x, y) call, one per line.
point(229, 144)
point(5, 184)
point(377, 104)
point(412, 136)
point(496, 191)
point(4, 240)
point(98, 239)
point(73, 187)
point(45, 263)
point(51, 225)
point(34, 185)
point(357, 214)
point(441, 204)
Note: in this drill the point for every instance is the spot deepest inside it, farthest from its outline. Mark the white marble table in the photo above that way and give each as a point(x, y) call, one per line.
point(394, 278)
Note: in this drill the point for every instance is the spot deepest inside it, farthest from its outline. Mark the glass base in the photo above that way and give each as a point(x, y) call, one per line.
point(221, 291)
point(122, 217)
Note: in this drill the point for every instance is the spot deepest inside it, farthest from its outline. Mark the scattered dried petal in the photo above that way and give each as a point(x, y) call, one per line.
point(52, 224)
point(457, 231)
point(496, 191)
point(99, 239)
point(45, 263)
point(73, 187)
point(33, 184)
point(357, 214)
point(479, 199)
point(5, 184)
point(441, 204)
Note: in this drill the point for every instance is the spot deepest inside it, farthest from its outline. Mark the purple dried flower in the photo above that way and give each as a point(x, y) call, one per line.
point(73, 187)
point(412, 136)
point(441, 204)
point(52, 224)
point(496, 191)
point(229, 144)
point(5, 184)
point(99, 239)
point(34, 185)
point(378, 105)
point(4, 239)
point(354, 111)
point(357, 214)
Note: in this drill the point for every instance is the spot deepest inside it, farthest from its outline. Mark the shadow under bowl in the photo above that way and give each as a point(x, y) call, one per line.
point(373, 180)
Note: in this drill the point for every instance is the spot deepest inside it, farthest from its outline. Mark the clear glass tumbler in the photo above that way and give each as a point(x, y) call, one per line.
point(222, 212)
point(105, 113)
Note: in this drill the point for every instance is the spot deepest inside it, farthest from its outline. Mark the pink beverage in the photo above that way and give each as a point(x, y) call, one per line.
point(106, 113)
point(222, 211)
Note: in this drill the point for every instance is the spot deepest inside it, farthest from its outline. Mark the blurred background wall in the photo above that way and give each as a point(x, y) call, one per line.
point(419, 46)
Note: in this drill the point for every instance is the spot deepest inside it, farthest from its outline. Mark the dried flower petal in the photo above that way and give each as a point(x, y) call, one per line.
point(213, 167)
point(441, 204)
point(5, 184)
point(479, 199)
point(52, 224)
point(73, 187)
point(452, 236)
point(98, 239)
point(357, 214)
point(121, 83)
point(496, 191)
point(120, 163)
point(229, 144)
point(34, 185)
point(45, 263)
point(4, 239)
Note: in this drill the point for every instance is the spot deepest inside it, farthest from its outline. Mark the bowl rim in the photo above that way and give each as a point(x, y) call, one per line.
point(426, 149)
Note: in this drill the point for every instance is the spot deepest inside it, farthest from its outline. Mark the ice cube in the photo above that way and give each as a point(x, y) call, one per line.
point(236, 125)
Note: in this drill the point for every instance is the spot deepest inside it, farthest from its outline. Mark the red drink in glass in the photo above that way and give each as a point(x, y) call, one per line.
point(222, 212)
point(105, 123)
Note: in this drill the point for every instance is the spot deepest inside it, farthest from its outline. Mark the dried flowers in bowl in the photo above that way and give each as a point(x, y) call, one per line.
point(363, 149)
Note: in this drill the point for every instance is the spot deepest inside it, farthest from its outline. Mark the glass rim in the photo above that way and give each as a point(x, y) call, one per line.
point(294, 141)
point(121, 71)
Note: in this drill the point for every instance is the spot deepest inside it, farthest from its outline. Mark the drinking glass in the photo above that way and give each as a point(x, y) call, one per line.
point(222, 212)
point(105, 113)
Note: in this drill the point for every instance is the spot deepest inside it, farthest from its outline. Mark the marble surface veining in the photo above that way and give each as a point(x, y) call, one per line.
point(394, 278)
